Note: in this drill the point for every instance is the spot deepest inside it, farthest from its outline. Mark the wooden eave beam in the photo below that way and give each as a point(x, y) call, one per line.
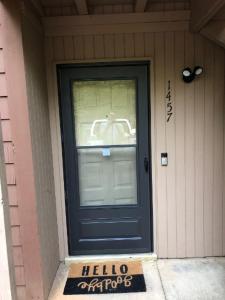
point(81, 7)
point(202, 11)
point(117, 23)
point(140, 5)
point(215, 31)
point(125, 18)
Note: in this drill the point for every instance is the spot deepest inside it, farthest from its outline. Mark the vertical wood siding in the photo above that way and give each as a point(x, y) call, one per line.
point(41, 150)
point(7, 140)
point(189, 198)
point(7, 282)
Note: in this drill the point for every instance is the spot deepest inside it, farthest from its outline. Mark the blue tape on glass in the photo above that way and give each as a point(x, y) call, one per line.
point(105, 152)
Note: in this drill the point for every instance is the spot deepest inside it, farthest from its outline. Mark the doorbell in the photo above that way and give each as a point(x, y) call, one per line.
point(164, 159)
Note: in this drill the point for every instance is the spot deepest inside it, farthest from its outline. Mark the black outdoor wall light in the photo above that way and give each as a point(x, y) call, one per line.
point(189, 75)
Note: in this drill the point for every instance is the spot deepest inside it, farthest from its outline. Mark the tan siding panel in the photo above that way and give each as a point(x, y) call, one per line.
point(188, 210)
point(99, 46)
point(224, 175)
point(58, 47)
point(78, 47)
point(68, 46)
point(89, 47)
point(139, 46)
point(180, 151)
point(170, 144)
point(49, 48)
point(218, 153)
point(162, 220)
point(189, 151)
point(208, 148)
point(129, 45)
point(149, 44)
point(119, 45)
point(199, 151)
point(109, 45)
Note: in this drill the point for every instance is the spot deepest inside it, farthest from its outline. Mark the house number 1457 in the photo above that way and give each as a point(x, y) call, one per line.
point(169, 107)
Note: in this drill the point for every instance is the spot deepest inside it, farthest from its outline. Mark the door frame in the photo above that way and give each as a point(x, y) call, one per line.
point(138, 71)
point(54, 115)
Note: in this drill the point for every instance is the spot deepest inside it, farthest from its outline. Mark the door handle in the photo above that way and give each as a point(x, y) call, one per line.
point(146, 164)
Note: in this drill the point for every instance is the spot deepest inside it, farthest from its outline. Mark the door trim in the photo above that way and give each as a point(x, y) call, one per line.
point(54, 116)
point(93, 258)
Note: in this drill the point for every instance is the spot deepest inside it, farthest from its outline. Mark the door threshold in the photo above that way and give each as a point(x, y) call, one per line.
point(90, 258)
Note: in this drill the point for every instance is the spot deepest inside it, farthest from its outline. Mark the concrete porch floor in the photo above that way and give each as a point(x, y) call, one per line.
point(170, 279)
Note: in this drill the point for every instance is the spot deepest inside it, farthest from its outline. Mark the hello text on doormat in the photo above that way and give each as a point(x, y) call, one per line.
point(105, 277)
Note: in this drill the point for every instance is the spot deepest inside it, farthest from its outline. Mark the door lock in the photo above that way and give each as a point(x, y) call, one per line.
point(146, 164)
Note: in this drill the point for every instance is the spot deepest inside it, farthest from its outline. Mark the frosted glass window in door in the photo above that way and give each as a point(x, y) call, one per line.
point(105, 132)
point(105, 112)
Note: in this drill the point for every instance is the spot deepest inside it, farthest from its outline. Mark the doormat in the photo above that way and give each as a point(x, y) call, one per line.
point(105, 277)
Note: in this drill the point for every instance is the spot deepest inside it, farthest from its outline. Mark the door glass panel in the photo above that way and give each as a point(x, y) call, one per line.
point(105, 129)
